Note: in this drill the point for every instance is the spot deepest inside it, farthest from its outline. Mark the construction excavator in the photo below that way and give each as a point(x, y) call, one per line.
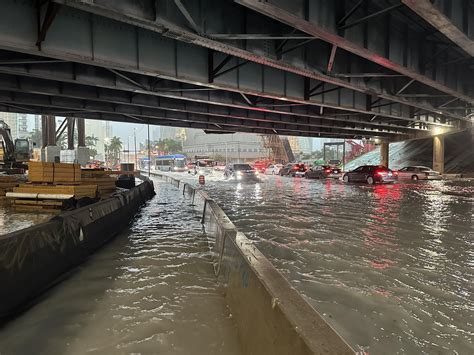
point(13, 154)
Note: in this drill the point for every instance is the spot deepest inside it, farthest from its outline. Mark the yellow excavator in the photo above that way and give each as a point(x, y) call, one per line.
point(13, 154)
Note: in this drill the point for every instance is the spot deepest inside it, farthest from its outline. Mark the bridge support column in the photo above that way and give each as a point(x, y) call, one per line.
point(82, 154)
point(438, 154)
point(384, 154)
point(50, 152)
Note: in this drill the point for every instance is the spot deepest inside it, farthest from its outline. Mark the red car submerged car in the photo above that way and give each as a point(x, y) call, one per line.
point(371, 174)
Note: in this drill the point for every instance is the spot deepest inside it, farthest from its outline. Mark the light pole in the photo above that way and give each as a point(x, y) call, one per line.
point(135, 140)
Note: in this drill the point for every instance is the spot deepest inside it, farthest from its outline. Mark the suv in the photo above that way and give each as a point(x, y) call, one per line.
point(240, 172)
point(371, 174)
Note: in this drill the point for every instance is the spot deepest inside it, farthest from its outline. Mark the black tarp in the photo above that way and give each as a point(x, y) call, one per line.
point(35, 258)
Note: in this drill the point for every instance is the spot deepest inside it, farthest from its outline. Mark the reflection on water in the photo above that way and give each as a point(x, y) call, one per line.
point(11, 220)
point(389, 266)
point(152, 290)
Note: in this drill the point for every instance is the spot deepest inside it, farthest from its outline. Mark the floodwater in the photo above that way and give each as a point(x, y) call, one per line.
point(151, 290)
point(11, 220)
point(390, 267)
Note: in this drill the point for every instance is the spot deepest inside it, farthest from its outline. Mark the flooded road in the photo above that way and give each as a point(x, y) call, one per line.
point(11, 220)
point(390, 267)
point(152, 290)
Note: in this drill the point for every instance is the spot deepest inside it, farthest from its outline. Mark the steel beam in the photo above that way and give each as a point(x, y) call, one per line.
point(84, 74)
point(426, 10)
point(173, 31)
point(279, 13)
point(52, 105)
point(371, 16)
point(139, 103)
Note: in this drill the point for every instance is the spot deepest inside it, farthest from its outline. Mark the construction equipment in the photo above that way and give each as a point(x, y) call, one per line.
point(13, 155)
point(280, 150)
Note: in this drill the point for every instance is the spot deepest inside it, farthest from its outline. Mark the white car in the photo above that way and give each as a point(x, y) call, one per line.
point(273, 169)
point(418, 173)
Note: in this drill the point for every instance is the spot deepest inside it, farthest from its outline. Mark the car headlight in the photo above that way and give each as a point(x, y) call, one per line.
point(239, 173)
point(175, 168)
point(256, 173)
point(201, 172)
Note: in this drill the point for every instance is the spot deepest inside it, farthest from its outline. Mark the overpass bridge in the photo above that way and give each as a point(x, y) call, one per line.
point(389, 69)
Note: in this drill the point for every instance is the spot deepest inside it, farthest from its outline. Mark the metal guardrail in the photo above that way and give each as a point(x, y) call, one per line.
point(271, 316)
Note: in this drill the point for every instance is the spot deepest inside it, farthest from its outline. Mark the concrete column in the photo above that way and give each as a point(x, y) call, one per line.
point(44, 131)
point(384, 154)
point(81, 133)
point(438, 154)
point(50, 152)
point(70, 133)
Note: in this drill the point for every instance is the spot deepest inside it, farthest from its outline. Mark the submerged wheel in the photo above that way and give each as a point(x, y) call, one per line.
point(346, 178)
point(414, 177)
point(370, 180)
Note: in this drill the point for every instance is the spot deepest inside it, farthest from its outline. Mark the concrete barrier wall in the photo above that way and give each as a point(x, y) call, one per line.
point(271, 316)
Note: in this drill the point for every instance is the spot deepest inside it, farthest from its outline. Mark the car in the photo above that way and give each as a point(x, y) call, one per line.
point(334, 163)
point(286, 170)
point(371, 174)
point(323, 172)
point(418, 173)
point(242, 172)
point(273, 169)
point(298, 170)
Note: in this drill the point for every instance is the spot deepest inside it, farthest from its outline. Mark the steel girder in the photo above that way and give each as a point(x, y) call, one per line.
point(453, 22)
point(86, 38)
point(93, 76)
point(167, 23)
point(14, 84)
point(306, 17)
point(96, 110)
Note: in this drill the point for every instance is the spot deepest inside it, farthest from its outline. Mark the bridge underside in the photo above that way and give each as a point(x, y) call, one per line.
point(351, 69)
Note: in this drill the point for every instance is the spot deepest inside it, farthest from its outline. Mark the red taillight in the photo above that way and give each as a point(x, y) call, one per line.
point(295, 167)
point(379, 172)
point(395, 173)
point(327, 170)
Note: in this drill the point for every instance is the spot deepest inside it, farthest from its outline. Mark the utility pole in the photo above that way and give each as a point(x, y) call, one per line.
point(149, 155)
point(135, 139)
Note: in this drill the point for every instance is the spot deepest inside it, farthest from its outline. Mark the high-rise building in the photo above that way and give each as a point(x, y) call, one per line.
point(11, 120)
point(156, 133)
point(237, 147)
point(169, 132)
point(37, 122)
point(22, 125)
point(97, 129)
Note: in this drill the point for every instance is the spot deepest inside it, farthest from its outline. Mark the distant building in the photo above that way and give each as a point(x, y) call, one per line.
point(168, 132)
point(97, 129)
point(237, 147)
point(155, 133)
point(22, 125)
point(11, 120)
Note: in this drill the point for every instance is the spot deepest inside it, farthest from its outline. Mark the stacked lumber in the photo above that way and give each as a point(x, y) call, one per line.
point(54, 172)
point(7, 183)
point(43, 197)
point(40, 172)
point(64, 172)
point(104, 179)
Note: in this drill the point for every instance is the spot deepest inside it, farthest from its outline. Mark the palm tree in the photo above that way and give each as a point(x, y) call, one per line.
point(115, 147)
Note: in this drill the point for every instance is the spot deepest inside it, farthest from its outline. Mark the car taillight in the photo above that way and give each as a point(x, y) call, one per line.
point(379, 172)
point(295, 168)
point(395, 173)
point(327, 170)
